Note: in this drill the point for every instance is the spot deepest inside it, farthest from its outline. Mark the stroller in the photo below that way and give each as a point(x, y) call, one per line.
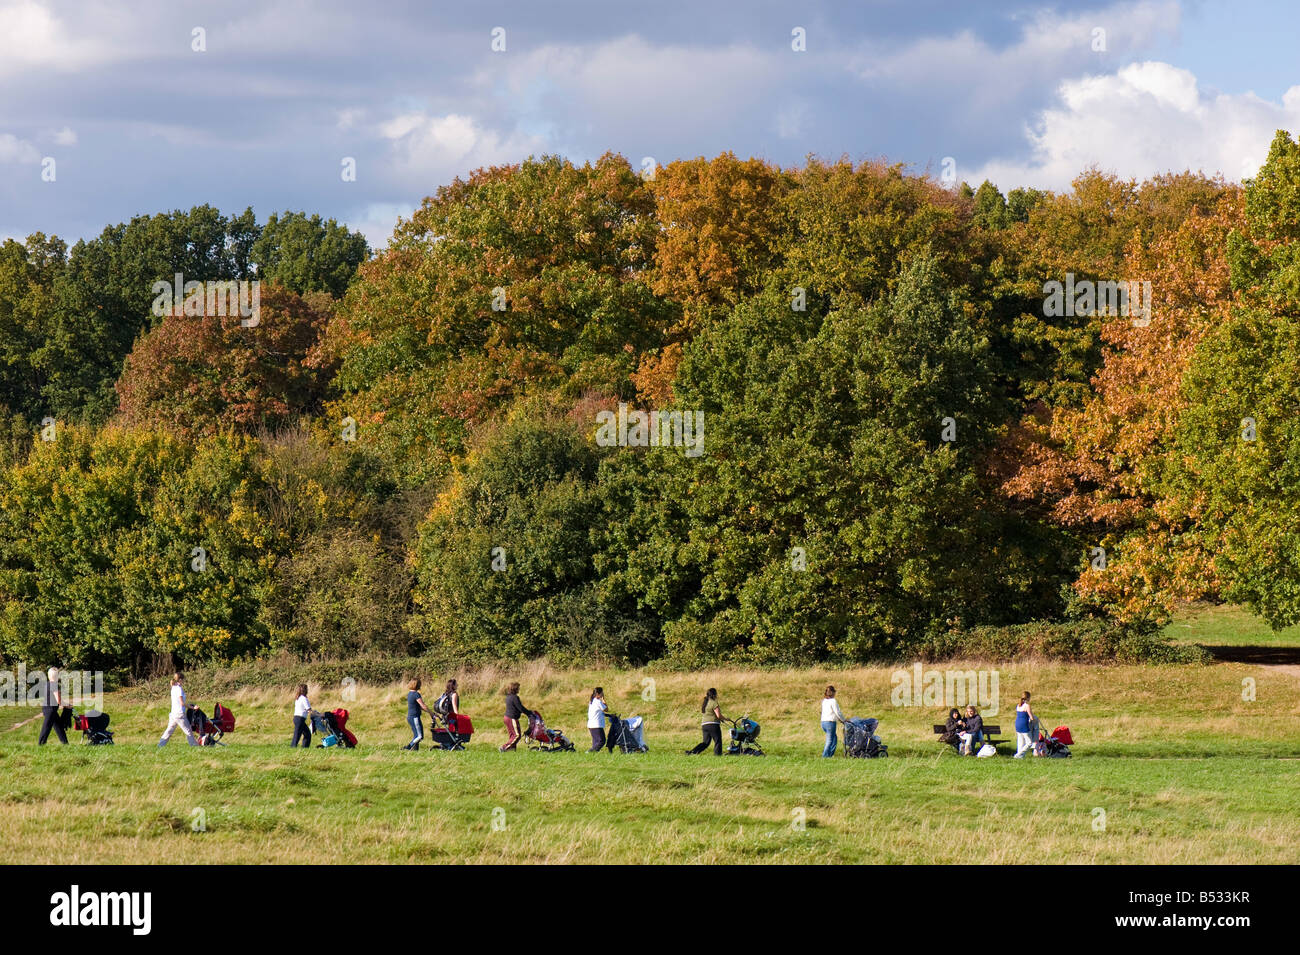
point(628, 735)
point(94, 728)
point(1054, 745)
point(452, 730)
point(210, 731)
point(544, 740)
point(744, 738)
point(333, 729)
point(861, 741)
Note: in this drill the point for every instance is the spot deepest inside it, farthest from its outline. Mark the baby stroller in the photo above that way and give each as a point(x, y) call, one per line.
point(1054, 745)
point(628, 735)
point(94, 728)
point(744, 738)
point(861, 741)
point(452, 730)
point(333, 729)
point(545, 740)
point(210, 731)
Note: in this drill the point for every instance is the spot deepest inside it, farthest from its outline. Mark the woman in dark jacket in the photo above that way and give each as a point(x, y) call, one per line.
point(51, 705)
point(514, 710)
point(952, 728)
point(974, 731)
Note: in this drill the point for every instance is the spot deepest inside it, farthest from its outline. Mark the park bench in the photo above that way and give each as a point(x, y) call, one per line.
point(990, 734)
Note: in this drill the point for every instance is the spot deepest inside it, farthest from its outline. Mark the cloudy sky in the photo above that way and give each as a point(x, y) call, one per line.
point(137, 120)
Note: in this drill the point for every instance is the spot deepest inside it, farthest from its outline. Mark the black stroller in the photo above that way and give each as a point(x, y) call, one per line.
point(628, 735)
point(94, 728)
point(861, 741)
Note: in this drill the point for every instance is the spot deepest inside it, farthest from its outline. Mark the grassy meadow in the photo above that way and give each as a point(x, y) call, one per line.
point(1184, 769)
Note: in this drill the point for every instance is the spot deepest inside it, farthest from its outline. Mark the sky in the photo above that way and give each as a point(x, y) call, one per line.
point(112, 110)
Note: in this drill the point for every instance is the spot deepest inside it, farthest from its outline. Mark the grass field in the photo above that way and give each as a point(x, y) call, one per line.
point(1184, 769)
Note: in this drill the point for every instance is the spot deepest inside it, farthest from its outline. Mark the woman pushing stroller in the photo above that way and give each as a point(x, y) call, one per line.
point(514, 710)
point(710, 724)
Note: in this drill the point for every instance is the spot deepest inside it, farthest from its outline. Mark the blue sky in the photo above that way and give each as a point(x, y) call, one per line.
point(138, 121)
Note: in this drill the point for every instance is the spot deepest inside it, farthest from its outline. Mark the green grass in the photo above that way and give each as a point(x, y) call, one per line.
point(1184, 768)
point(1228, 626)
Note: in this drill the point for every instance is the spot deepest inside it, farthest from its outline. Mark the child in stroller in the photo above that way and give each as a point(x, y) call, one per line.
point(94, 728)
point(210, 731)
point(333, 729)
point(543, 739)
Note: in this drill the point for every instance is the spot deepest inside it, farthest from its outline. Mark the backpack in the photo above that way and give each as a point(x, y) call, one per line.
point(443, 704)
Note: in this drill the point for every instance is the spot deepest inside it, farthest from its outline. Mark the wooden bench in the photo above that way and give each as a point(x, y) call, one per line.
point(990, 734)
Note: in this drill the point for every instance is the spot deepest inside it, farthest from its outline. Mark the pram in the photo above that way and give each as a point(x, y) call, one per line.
point(452, 730)
point(628, 735)
point(545, 740)
point(94, 728)
point(744, 738)
point(210, 731)
point(861, 741)
point(333, 729)
point(1054, 745)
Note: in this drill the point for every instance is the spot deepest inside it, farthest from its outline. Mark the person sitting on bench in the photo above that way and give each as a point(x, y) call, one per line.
point(953, 728)
point(973, 734)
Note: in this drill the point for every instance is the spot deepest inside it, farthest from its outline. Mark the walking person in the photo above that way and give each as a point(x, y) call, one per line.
point(831, 718)
point(596, 709)
point(51, 708)
point(514, 710)
point(1025, 721)
point(449, 702)
point(710, 725)
point(301, 717)
point(414, 707)
point(179, 716)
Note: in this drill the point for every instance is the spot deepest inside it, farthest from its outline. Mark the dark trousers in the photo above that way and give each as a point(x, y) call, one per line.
point(53, 722)
point(301, 731)
point(597, 739)
point(712, 734)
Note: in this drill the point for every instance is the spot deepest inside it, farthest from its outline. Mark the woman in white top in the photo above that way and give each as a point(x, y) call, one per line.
point(596, 719)
point(178, 715)
point(301, 717)
point(831, 717)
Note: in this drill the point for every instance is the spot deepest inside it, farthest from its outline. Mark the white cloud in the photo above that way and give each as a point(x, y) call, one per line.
point(1146, 119)
point(31, 36)
point(429, 150)
point(65, 137)
point(13, 149)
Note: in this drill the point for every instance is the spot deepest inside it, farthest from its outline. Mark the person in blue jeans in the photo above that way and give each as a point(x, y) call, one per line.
point(414, 706)
point(831, 718)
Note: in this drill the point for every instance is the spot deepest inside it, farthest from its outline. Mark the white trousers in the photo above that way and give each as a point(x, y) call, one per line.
point(184, 724)
point(1024, 744)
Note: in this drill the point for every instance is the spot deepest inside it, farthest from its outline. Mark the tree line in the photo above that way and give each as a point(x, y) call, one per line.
point(900, 442)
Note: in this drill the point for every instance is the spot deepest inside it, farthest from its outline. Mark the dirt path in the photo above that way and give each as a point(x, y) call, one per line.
point(1279, 659)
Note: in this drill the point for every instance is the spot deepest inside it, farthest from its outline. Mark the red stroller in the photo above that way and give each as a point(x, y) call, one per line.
point(452, 731)
point(543, 739)
point(333, 728)
point(210, 731)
